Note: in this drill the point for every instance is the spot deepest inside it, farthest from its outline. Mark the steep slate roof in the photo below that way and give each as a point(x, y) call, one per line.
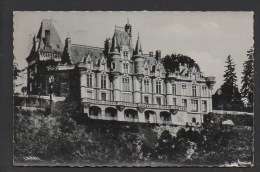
point(122, 37)
point(78, 52)
point(55, 41)
point(138, 48)
point(152, 61)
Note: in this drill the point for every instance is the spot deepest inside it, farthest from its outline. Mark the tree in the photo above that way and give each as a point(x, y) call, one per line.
point(165, 146)
point(230, 95)
point(171, 63)
point(16, 74)
point(247, 89)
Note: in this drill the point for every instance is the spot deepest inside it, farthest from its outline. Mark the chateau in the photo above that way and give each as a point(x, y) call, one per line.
point(119, 81)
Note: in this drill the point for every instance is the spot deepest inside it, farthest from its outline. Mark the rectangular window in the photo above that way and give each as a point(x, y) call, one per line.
point(30, 87)
point(174, 101)
point(103, 81)
point(103, 96)
point(158, 87)
point(125, 67)
point(146, 86)
point(158, 101)
point(194, 90)
point(184, 102)
point(194, 105)
point(184, 89)
point(174, 89)
point(89, 80)
point(146, 100)
point(204, 91)
point(89, 94)
point(204, 105)
point(113, 65)
point(126, 85)
point(125, 54)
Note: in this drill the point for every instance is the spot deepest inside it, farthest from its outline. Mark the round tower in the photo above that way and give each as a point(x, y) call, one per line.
point(138, 57)
point(115, 64)
point(115, 69)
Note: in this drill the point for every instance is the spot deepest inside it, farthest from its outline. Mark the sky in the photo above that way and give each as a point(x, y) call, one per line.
point(207, 37)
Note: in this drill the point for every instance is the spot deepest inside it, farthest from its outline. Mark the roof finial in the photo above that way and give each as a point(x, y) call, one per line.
point(138, 33)
point(127, 20)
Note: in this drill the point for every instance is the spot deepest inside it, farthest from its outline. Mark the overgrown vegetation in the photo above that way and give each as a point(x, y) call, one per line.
point(63, 138)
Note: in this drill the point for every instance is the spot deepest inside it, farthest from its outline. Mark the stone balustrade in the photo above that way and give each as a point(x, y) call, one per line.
point(129, 104)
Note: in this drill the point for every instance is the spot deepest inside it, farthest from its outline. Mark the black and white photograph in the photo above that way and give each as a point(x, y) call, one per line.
point(133, 89)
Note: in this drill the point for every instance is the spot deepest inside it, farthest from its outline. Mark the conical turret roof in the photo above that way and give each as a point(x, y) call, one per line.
point(138, 47)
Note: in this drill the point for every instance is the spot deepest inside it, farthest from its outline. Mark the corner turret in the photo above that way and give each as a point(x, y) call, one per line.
point(115, 64)
point(138, 57)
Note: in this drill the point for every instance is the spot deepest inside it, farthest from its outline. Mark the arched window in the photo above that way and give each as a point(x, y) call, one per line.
point(193, 120)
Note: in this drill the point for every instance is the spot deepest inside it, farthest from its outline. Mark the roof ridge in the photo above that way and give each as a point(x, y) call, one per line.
point(80, 45)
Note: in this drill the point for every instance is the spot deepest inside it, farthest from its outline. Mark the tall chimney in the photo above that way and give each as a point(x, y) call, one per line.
point(158, 55)
point(150, 54)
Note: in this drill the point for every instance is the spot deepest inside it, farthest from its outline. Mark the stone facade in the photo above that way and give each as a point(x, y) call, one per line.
point(119, 82)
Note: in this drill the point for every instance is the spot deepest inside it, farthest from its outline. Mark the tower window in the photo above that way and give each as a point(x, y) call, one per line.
point(125, 54)
point(89, 80)
point(174, 89)
point(125, 67)
point(113, 65)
